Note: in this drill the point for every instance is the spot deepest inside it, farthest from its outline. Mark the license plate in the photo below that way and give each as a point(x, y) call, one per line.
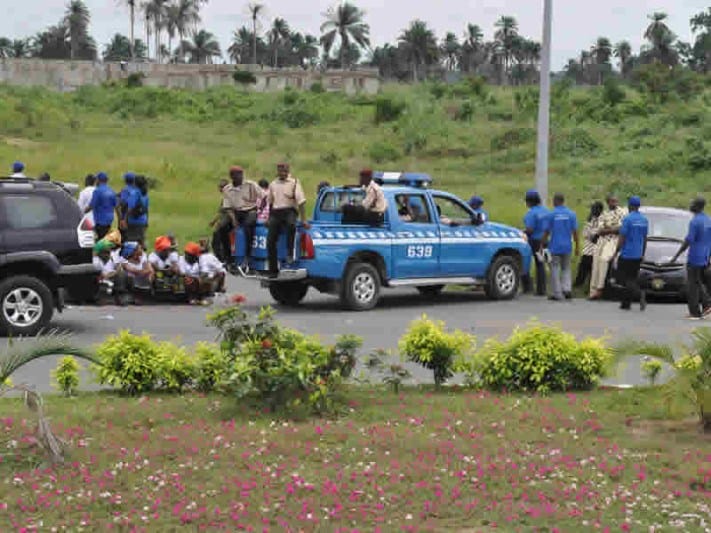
point(658, 284)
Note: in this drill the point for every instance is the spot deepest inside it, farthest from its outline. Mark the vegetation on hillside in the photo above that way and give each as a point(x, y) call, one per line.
point(652, 139)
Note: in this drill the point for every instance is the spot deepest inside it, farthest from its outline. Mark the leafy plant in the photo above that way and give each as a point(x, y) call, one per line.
point(512, 137)
point(131, 363)
point(176, 369)
point(612, 92)
point(541, 358)
point(317, 88)
point(211, 367)
point(651, 369)
point(388, 109)
point(692, 380)
point(135, 79)
point(465, 111)
point(392, 374)
point(244, 77)
point(383, 152)
point(66, 375)
point(428, 343)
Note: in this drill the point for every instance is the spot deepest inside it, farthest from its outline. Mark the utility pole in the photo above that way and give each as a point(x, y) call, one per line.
point(544, 104)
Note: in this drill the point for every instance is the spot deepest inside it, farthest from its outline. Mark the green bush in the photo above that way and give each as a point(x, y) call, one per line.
point(511, 138)
point(383, 152)
point(129, 362)
point(576, 142)
point(176, 369)
point(280, 367)
point(66, 375)
point(244, 77)
point(428, 344)
point(317, 88)
point(388, 109)
point(211, 367)
point(542, 359)
point(465, 111)
point(698, 154)
point(613, 93)
point(135, 79)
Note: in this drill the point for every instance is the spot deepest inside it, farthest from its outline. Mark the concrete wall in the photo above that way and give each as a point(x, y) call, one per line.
point(68, 75)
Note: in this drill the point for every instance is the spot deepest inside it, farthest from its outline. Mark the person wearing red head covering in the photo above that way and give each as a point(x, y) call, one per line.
point(243, 197)
point(190, 270)
point(165, 262)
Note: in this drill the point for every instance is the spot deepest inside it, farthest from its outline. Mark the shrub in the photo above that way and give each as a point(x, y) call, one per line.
point(290, 96)
point(317, 88)
point(512, 137)
point(651, 369)
point(280, 367)
point(330, 157)
point(176, 369)
point(135, 79)
point(66, 375)
point(131, 363)
point(612, 92)
point(465, 111)
point(698, 154)
point(541, 359)
point(298, 117)
point(383, 151)
point(391, 374)
point(577, 142)
point(387, 109)
point(244, 77)
point(211, 367)
point(428, 344)
point(437, 89)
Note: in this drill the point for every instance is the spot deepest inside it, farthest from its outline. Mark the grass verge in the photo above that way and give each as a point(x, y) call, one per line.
point(455, 461)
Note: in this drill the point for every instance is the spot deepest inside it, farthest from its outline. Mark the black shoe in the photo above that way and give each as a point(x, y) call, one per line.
point(625, 307)
point(643, 301)
point(568, 295)
point(555, 298)
point(271, 275)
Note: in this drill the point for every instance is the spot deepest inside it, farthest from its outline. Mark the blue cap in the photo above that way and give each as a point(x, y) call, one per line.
point(634, 201)
point(101, 176)
point(532, 194)
point(476, 201)
point(128, 249)
point(129, 177)
point(18, 166)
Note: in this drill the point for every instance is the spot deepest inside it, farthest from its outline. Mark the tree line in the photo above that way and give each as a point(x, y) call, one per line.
point(345, 42)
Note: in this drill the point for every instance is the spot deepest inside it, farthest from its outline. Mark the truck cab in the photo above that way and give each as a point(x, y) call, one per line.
point(428, 239)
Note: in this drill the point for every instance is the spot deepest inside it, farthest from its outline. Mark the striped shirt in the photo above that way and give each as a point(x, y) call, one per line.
point(589, 232)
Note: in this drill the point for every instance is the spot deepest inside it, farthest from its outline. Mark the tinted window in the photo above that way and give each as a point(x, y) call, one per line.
point(451, 211)
point(413, 208)
point(29, 212)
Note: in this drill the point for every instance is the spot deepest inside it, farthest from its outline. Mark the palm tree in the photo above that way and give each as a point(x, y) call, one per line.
point(20, 48)
point(132, 21)
point(255, 10)
point(623, 52)
point(51, 43)
point(661, 40)
point(185, 17)
point(171, 23)
point(344, 21)
point(5, 47)
point(602, 52)
point(202, 48)
point(450, 50)
point(657, 29)
point(241, 46)
point(420, 45)
point(155, 10)
point(304, 48)
point(505, 35)
point(120, 49)
point(77, 19)
point(471, 50)
point(278, 35)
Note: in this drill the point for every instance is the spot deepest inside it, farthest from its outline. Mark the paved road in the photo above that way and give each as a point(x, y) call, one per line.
point(381, 327)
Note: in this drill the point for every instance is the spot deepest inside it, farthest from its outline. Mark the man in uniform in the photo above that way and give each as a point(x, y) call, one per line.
point(243, 197)
point(631, 245)
point(562, 229)
point(535, 226)
point(18, 170)
point(477, 205)
point(286, 200)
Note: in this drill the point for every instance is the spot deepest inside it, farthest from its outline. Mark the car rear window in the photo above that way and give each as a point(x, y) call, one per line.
point(29, 212)
point(332, 201)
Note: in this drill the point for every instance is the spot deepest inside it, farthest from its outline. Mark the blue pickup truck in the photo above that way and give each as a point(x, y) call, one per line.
point(429, 239)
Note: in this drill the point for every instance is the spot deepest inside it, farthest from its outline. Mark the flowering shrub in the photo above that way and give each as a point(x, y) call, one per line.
point(428, 343)
point(176, 369)
point(542, 359)
point(279, 366)
point(66, 375)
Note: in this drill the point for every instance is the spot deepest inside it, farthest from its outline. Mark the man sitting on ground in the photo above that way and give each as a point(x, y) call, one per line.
point(139, 272)
point(165, 263)
point(108, 269)
point(190, 270)
point(212, 271)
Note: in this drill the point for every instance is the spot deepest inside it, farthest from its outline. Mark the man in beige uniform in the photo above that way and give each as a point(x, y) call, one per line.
point(372, 209)
point(287, 200)
point(608, 229)
point(242, 197)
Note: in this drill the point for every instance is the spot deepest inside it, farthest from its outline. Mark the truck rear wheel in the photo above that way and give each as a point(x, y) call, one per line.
point(503, 279)
point(289, 293)
point(26, 306)
point(361, 287)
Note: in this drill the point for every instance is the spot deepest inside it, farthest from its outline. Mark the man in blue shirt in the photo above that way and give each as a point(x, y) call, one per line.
point(534, 226)
point(103, 204)
point(477, 205)
point(561, 229)
point(129, 201)
point(698, 242)
point(631, 246)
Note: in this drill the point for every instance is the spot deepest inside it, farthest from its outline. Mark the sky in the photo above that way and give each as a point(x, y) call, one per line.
point(576, 23)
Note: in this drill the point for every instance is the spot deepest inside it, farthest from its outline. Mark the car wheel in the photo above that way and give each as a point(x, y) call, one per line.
point(25, 306)
point(361, 287)
point(430, 291)
point(288, 293)
point(503, 279)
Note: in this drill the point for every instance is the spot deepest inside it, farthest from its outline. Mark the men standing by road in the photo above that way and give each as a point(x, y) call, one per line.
point(103, 204)
point(286, 199)
point(608, 229)
point(223, 224)
point(631, 245)
point(134, 210)
point(698, 242)
point(589, 244)
point(561, 230)
point(243, 197)
point(87, 192)
point(534, 223)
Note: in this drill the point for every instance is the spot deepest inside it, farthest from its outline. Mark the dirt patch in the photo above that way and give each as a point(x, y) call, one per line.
point(689, 428)
point(20, 143)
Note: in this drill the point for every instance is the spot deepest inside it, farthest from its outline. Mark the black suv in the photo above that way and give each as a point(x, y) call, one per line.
point(45, 248)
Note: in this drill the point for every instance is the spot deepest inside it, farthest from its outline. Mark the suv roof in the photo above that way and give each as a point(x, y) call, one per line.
point(30, 184)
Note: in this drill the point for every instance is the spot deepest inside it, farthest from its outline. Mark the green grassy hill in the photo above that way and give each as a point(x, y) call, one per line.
point(470, 137)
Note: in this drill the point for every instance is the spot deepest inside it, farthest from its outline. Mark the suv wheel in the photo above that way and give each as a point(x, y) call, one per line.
point(25, 306)
point(503, 278)
point(361, 287)
point(289, 293)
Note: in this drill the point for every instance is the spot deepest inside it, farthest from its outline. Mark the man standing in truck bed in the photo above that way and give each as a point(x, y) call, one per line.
point(287, 200)
point(243, 197)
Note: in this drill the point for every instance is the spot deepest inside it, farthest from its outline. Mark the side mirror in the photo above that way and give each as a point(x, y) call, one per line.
point(477, 219)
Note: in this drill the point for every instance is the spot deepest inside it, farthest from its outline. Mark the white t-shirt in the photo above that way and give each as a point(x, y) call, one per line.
point(160, 264)
point(109, 267)
point(210, 265)
point(85, 197)
point(186, 269)
point(18, 175)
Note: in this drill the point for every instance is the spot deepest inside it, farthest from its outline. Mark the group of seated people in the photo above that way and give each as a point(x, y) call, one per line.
point(128, 271)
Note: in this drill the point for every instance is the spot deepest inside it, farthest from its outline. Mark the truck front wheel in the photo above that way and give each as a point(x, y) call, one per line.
point(361, 287)
point(503, 278)
point(289, 293)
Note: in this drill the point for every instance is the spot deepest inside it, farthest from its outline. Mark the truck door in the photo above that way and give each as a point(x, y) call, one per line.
point(416, 240)
point(463, 248)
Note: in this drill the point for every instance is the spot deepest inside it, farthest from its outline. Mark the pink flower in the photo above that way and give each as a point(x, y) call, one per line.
point(319, 431)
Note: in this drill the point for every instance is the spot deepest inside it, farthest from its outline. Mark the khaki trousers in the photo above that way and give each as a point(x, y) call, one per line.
point(599, 274)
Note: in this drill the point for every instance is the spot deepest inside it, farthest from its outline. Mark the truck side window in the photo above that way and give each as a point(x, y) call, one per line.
point(413, 208)
point(451, 212)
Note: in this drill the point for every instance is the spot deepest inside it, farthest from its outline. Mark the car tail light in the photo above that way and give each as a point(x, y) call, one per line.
point(85, 231)
point(86, 224)
point(307, 247)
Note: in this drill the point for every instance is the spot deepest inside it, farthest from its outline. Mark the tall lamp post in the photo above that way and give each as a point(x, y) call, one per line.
point(544, 104)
